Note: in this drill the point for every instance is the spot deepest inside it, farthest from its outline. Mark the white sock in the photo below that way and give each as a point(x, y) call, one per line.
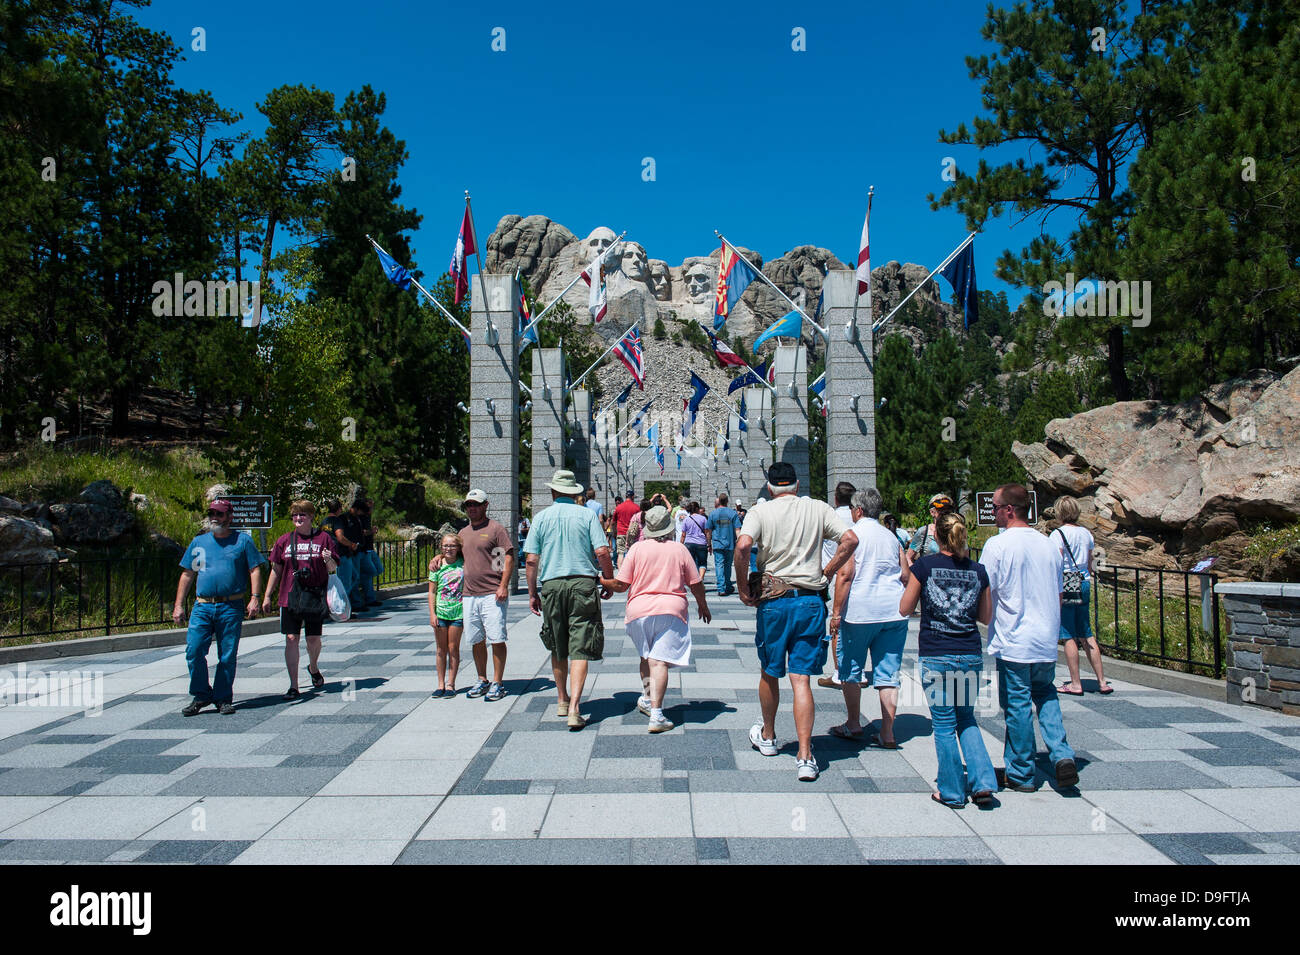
point(656, 713)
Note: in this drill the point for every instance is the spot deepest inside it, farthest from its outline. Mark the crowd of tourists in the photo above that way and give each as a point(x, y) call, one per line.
point(837, 583)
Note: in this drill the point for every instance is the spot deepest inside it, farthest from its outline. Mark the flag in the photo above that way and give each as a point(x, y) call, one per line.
point(734, 276)
point(637, 422)
point(622, 395)
point(691, 405)
point(742, 413)
point(465, 247)
point(652, 435)
point(722, 352)
point(527, 336)
point(628, 351)
point(789, 326)
point(818, 386)
point(753, 377)
point(864, 258)
point(679, 459)
point(960, 273)
point(596, 299)
point(396, 274)
point(465, 335)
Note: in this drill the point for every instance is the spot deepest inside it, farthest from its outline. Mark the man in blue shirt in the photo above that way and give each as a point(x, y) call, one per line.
point(723, 522)
point(567, 554)
point(222, 560)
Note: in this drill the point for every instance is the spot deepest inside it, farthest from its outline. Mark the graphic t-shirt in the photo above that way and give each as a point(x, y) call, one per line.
point(623, 514)
point(659, 573)
point(723, 523)
point(950, 598)
point(310, 554)
point(485, 549)
point(222, 563)
point(447, 581)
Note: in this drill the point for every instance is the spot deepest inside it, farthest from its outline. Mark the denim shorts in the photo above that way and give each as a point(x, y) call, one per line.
point(792, 634)
point(444, 622)
point(1076, 622)
point(886, 642)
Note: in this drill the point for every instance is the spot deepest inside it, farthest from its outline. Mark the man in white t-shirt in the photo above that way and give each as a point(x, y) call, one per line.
point(844, 511)
point(788, 531)
point(1024, 569)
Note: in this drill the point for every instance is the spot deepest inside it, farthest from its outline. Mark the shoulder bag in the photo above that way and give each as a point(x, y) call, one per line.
point(1071, 580)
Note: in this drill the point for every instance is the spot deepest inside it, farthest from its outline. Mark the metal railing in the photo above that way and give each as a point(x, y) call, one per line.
point(90, 596)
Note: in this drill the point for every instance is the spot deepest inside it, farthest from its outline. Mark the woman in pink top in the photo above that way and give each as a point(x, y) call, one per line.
point(656, 572)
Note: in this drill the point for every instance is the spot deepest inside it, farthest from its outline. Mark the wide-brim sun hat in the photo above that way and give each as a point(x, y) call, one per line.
point(658, 523)
point(563, 482)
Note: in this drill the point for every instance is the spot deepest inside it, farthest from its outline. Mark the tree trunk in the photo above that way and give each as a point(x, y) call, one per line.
point(1119, 382)
point(121, 404)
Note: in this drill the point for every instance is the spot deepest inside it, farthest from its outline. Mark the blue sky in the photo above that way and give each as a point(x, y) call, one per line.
point(775, 148)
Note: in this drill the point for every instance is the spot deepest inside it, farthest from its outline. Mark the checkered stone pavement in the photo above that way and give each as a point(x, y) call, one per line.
point(372, 770)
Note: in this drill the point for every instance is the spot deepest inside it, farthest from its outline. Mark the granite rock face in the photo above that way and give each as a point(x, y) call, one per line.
point(25, 542)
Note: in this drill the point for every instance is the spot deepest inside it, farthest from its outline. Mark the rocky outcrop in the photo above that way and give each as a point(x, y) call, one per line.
point(527, 243)
point(1165, 482)
point(25, 542)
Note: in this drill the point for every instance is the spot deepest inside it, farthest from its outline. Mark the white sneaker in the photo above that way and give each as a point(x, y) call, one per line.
point(643, 704)
point(765, 746)
point(808, 770)
point(660, 725)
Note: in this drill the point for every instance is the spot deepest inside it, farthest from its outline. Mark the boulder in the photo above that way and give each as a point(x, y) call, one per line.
point(9, 506)
point(89, 523)
point(417, 535)
point(165, 544)
point(529, 244)
point(25, 542)
point(139, 501)
point(102, 494)
point(216, 491)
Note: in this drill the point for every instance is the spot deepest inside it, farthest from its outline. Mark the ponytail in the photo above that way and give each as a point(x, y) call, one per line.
point(950, 530)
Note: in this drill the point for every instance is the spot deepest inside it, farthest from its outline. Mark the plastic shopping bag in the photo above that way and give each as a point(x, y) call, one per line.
point(336, 596)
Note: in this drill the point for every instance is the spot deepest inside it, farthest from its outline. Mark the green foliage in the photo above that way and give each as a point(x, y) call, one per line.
point(673, 490)
point(660, 331)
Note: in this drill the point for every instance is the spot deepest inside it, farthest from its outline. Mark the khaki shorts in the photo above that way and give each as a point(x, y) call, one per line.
point(572, 627)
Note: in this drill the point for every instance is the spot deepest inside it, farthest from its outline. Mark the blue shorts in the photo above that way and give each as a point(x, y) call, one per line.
point(444, 622)
point(792, 634)
point(885, 640)
point(1075, 618)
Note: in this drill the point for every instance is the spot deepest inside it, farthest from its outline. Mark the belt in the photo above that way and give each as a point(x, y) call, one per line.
point(800, 592)
point(219, 600)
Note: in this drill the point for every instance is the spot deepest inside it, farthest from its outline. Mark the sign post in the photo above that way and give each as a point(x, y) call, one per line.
point(251, 511)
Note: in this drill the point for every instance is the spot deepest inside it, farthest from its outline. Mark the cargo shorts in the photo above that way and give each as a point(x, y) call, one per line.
point(572, 626)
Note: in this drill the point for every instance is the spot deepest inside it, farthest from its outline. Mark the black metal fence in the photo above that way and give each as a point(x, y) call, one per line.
point(89, 596)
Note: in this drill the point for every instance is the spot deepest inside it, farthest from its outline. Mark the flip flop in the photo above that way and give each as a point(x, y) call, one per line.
point(878, 743)
point(843, 732)
point(1106, 689)
point(1065, 688)
point(936, 798)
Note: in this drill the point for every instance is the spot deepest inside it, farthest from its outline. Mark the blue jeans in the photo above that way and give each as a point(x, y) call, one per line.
point(1075, 622)
point(1022, 688)
point(951, 684)
point(222, 621)
point(722, 558)
point(347, 574)
point(366, 564)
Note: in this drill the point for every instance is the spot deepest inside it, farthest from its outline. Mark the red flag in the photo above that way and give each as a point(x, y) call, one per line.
point(864, 259)
point(723, 353)
point(465, 246)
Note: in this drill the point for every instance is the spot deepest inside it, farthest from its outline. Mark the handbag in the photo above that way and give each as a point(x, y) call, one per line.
point(304, 600)
point(1071, 580)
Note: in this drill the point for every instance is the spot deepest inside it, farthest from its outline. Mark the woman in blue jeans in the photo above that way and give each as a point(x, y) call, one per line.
point(953, 591)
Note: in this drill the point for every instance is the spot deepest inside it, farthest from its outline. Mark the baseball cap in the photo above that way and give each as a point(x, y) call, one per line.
point(940, 501)
point(476, 496)
point(782, 474)
point(221, 507)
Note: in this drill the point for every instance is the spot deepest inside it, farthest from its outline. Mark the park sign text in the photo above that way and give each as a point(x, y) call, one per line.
point(984, 508)
point(250, 510)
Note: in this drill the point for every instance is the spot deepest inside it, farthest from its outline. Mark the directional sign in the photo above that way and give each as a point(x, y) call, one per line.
point(984, 508)
point(251, 510)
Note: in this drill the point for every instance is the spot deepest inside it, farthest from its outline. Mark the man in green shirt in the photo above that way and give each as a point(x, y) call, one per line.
point(567, 554)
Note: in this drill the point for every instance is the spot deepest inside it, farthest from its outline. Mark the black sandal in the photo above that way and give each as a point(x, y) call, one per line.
point(293, 693)
point(317, 679)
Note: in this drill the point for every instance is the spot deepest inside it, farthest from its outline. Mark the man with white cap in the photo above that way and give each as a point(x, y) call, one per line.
point(489, 558)
point(567, 555)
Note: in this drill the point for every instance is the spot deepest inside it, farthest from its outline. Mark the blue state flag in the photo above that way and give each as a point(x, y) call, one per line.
point(622, 395)
point(960, 273)
point(396, 274)
point(742, 414)
point(755, 377)
point(789, 326)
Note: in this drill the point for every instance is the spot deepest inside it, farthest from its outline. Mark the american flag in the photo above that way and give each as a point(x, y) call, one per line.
point(628, 350)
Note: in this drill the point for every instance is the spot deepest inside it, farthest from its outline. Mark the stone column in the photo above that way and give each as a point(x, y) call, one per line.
point(494, 396)
point(548, 423)
point(758, 440)
point(850, 392)
point(604, 463)
point(790, 410)
point(738, 483)
point(1263, 654)
point(579, 450)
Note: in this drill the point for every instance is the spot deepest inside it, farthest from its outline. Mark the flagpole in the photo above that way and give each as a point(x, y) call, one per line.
point(759, 274)
point(555, 301)
point(853, 322)
point(952, 255)
point(753, 371)
point(625, 427)
point(442, 308)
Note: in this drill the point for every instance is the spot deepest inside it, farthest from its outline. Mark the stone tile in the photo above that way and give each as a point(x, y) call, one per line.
point(450, 745)
point(630, 768)
point(487, 817)
point(1248, 777)
point(663, 851)
point(1158, 811)
point(767, 816)
point(1143, 775)
point(273, 781)
point(589, 786)
point(909, 848)
point(897, 814)
point(618, 816)
point(1267, 810)
point(356, 817)
point(1038, 814)
point(14, 809)
point(395, 777)
point(99, 817)
point(60, 850)
point(567, 852)
point(225, 818)
point(545, 755)
point(1279, 859)
point(1245, 749)
point(1099, 849)
point(136, 784)
point(313, 852)
point(811, 851)
point(48, 782)
point(317, 738)
point(1164, 738)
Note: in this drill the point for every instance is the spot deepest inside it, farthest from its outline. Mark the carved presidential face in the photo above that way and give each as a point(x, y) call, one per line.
point(699, 282)
point(596, 243)
point(633, 262)
point(661, 281)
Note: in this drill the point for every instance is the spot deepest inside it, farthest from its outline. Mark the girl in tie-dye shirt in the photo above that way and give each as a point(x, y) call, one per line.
point(445, 614)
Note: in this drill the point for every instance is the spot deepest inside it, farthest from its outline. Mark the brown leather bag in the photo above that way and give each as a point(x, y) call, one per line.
point(764, 586)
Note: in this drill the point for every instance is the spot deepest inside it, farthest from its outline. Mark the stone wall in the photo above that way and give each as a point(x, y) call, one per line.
point(1263, 644)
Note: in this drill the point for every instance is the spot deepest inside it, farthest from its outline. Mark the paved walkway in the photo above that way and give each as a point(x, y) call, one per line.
point(371, 770)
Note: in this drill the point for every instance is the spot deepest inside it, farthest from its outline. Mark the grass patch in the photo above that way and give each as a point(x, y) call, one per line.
point(1131, 623)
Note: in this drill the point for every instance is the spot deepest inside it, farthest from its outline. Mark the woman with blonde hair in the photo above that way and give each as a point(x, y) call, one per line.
point(953, 591)
point(1076, 545)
